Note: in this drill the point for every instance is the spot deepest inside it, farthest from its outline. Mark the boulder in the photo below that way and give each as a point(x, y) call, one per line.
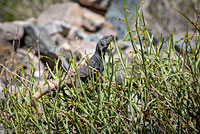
point(77, 33)
point(99, 6)
point(92, 22)
point(23, 57)
point(6, 51)
point(162, 18)
point(16, 60)
point(80, 48)
point(69, 12)
point(58, 39)
point(10, 31)
point(107, 29)
point(58, 27)
point(116, 11)
point(36, 35)
point(28, 21)
point(180, 45)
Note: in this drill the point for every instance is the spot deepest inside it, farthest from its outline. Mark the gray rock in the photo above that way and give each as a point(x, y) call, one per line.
point(76, 33)
point(92, 22)
point(81, 48)
point(180, 45)
point(53, 28)
point(65, 49)
point(58, 27)
point(99, 6)
point(10, 31)
point(93, 38)
point(28, 21)
point(46, 45)
point(23, 57)
point(69, 12)
point(35, 32)
point(115, 11)
point(107, 29)
point(162, 18)
point(15, 61)
point(58, 39)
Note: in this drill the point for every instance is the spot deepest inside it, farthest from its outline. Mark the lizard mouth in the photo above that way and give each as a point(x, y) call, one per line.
point(110, 39)
point(104, 42)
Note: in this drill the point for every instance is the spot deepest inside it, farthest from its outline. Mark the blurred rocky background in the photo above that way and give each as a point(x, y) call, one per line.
point(162, 18)
point(29, 28)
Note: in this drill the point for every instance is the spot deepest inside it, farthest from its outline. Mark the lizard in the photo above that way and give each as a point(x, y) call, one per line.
point(95, 64)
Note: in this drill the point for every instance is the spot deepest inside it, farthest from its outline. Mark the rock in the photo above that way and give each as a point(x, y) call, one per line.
point(46, 45)
point(80, 48)
point(8, 61)
point(65, 51)
point(93, 37)
point(162, 18)
point(87, 47)
point(58, 27)
point(92, 22)
point(35, 32)
point(77, 33)
point(99, 6)
point(6, 51)
point(14, 61)
point(125, 45)
point(10, 31)
point(29, 21)
point(53, 28)
point(58, 39)
point(65, 46)
point(107, 29)
point(69, 12)
point(180, 45)
point(24, 57)
point(116, 11)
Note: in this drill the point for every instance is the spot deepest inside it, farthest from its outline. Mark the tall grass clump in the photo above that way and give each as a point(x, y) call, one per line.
point(159, 93)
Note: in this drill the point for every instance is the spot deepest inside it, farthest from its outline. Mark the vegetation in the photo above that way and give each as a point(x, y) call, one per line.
point(159, 94)
point(22, 9)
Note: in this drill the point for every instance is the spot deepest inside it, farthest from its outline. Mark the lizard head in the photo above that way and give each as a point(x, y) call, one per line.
point(104, 42)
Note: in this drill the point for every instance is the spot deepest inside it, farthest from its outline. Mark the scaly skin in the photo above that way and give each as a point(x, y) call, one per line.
point(95, 65)
point(96, 60)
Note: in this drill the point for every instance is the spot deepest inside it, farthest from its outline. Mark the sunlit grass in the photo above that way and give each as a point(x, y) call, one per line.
point(158, 94)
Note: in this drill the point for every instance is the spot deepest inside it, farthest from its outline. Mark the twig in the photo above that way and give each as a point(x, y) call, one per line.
point(18, 75)
point(38, 47)
point(87, 122)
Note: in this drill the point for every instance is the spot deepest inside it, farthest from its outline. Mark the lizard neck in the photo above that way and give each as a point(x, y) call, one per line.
point(99, 53)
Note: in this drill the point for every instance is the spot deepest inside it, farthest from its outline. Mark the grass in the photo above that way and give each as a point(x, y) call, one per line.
point(159, 94)
point(11, 10)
